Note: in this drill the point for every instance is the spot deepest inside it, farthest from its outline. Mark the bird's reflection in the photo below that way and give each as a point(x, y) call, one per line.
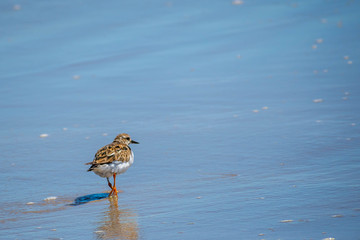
point(117, 223)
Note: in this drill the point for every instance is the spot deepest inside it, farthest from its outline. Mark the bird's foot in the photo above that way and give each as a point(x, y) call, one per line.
point(114, 192)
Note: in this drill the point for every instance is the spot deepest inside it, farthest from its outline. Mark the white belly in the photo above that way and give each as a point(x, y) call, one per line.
point(108, 170)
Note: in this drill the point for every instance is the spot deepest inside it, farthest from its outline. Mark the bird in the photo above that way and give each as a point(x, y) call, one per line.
point(113, 159)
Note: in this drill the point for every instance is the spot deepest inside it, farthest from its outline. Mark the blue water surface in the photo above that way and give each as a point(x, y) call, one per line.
point(247, 114)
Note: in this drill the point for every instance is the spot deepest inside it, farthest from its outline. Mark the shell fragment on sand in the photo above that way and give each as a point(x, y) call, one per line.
point(319, 40)
point(50, 198)
point(286, 221)
point(17, 7)
point(318, 100)
point(237, 2)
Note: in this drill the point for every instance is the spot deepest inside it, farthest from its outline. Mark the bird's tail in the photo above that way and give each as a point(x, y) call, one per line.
point(91, 167)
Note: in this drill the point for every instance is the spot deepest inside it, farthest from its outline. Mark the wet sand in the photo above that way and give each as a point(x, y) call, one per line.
point(246, 112)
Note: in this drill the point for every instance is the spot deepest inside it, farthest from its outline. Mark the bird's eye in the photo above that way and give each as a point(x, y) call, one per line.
point(127, 138)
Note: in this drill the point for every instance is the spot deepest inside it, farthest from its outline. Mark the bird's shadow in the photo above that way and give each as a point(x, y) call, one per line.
point(89, 198)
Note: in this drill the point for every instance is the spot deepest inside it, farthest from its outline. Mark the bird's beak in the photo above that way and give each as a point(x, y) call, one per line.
point(132, 141)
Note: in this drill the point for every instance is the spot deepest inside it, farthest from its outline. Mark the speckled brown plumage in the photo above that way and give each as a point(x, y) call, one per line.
point(112, 152)
point(118, 150)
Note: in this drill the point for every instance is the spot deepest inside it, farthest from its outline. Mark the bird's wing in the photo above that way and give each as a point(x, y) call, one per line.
point(112, 152)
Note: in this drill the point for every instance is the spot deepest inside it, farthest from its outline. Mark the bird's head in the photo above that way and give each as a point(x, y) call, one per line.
point(124, 138)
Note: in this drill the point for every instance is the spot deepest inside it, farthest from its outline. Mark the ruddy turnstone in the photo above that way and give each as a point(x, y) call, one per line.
point(112, 159)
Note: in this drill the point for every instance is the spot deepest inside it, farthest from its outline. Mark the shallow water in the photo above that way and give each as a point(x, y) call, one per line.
point(247, 117)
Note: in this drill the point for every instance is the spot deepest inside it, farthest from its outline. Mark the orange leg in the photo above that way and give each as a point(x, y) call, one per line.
point(113, 189)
